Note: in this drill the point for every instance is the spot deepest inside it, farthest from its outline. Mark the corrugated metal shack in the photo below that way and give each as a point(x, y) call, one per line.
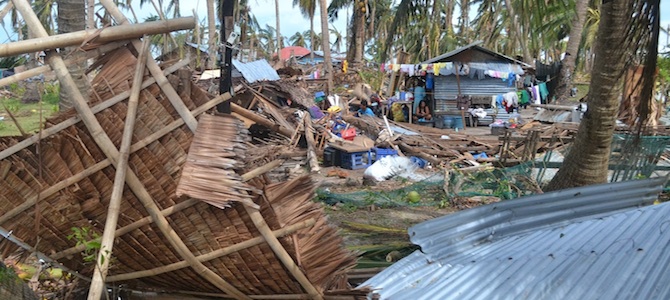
point(473, 78)
point(594, 242)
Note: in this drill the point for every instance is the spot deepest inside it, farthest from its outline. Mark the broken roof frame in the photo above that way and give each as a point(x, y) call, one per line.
point(113, 157)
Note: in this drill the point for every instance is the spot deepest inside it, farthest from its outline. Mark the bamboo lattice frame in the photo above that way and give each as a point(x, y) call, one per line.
point(75, 188)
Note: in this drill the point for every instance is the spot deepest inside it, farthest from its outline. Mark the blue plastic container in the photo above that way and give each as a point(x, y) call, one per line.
point(458, 123)
point(447, 122)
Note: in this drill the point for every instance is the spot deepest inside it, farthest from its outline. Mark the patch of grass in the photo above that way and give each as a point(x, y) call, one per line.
point(28, 116)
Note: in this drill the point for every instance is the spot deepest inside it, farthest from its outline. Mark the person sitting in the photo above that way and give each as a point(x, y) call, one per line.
point(419, 95)
point(422, 113)
point(364, 110)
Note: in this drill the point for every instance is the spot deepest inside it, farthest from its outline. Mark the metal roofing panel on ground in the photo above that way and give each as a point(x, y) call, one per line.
point(584, 243)
point(259, 70)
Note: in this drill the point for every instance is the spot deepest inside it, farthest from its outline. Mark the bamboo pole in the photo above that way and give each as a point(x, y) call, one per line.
point(170, 210)
point(106, 145)
point(109, 34)
point(74, 120)
point(107, 241)
point(8, 7)
point(260, 120)
point(214, 254)
point(107, 162)
point(281, 253)
point(155, 70)
point(46, 68)
point(311, 144)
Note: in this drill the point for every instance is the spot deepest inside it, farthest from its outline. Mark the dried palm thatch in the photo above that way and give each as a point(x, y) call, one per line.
point(209, 173)
point(65, 181)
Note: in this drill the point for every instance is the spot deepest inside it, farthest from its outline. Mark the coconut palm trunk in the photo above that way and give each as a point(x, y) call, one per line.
point(588, 159)
point(280, 45)
point(517, 31)
point(325, 35)
point(211, 35)
point(568, 68)
point(359, 33)
point(72, 17)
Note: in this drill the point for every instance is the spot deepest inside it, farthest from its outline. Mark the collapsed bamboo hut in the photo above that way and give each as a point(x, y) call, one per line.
point(64, 178)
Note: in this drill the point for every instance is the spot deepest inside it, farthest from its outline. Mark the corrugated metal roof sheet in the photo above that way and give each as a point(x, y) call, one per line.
point(584, 243)
point(553, 116)
point(259, 70)
point(446, 56)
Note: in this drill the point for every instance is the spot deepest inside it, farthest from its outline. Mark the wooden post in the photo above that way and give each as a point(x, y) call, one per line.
point(281, 253)
point(156, 71)
point(109, 34)
point(107, 242)
point(458, 84)
point(311, 144)
point(107, 147)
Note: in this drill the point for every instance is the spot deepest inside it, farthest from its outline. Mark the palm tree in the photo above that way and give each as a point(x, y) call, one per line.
point(308, 9)
point(72, 17)
point(211, 34)
point(326, 37)
point(571, 53)
point(280, 44)
point(297, 39)
point(623, 27)
point(337, 44)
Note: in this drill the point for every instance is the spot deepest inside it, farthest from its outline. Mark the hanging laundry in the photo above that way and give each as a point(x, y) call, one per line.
point(544, 92)
point(436, 68)
point(511, 79)
point(381, 67)
point(524, 98)
point(395, 67)
point(536, 94)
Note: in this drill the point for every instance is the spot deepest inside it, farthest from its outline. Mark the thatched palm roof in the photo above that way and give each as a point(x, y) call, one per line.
point(65, 181)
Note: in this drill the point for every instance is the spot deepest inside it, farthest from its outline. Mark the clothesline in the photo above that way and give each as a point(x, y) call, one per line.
point(472, 70)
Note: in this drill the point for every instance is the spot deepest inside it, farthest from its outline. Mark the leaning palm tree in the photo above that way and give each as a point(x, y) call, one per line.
point(308, 9)
point(568, 67)
point(624, 31)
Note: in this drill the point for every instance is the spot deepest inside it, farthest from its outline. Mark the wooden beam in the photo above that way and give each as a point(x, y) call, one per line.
point(214, 254)
point(311, 143)
point(108, 34)
point(260, 120)
point(155, 70)
point(74, 120)
point(107, 241)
